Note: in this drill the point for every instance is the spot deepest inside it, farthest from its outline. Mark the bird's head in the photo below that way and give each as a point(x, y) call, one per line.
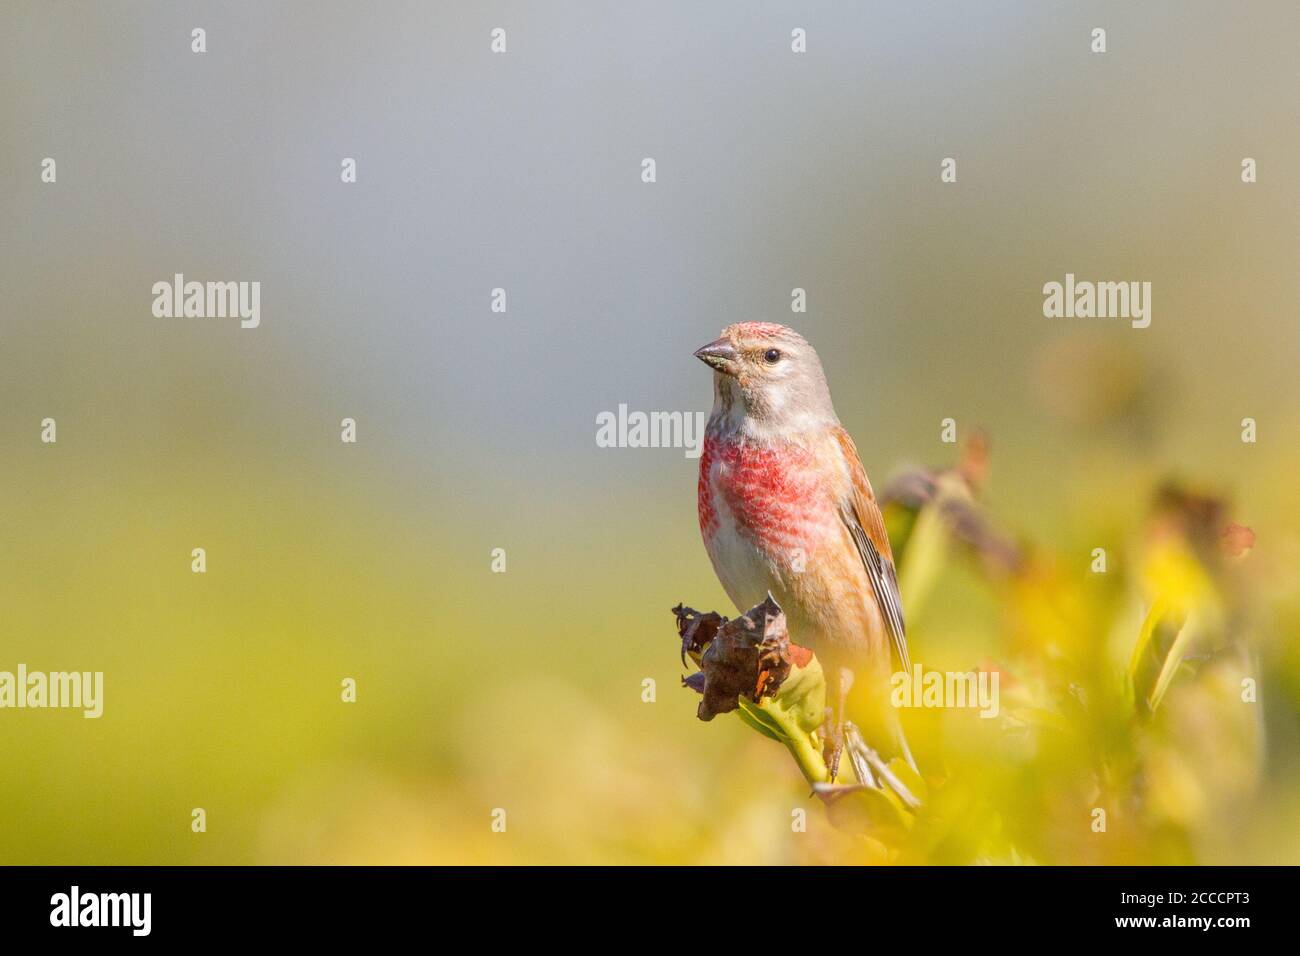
point(773, 372)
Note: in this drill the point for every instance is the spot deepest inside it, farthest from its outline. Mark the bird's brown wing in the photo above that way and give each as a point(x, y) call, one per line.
point(866, 525)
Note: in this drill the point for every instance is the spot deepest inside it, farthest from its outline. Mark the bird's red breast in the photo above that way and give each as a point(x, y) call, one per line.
point(773, 517)
point(775, 494)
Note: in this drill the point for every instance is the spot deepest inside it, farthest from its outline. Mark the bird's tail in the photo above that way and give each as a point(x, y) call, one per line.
point(900, 740)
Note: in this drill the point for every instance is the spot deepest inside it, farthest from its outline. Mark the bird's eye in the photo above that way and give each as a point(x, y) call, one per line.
point(772, 356)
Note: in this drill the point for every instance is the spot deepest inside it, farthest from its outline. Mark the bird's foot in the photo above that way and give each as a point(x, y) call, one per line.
point(833, 739)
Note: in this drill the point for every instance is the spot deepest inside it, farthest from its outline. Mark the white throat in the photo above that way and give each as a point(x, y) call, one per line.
point(730, 417)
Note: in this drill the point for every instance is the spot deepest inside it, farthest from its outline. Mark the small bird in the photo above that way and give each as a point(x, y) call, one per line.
point(785, 507)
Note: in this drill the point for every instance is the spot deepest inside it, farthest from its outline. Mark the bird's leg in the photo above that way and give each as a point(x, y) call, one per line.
point(845, 682)
point(861, 767)
point(831, 747)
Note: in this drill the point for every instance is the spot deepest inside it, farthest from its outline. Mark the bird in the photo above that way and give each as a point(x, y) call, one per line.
point(786, 509)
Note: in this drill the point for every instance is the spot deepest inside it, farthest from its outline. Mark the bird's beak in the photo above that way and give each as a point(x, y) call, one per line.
point(720, 355)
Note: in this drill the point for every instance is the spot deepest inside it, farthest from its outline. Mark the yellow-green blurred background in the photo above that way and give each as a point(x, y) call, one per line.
point(523, 690)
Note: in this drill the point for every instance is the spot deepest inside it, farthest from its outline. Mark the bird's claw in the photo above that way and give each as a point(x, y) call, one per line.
point(833, 746)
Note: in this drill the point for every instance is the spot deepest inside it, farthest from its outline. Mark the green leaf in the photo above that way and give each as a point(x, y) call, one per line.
point(761, 720)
